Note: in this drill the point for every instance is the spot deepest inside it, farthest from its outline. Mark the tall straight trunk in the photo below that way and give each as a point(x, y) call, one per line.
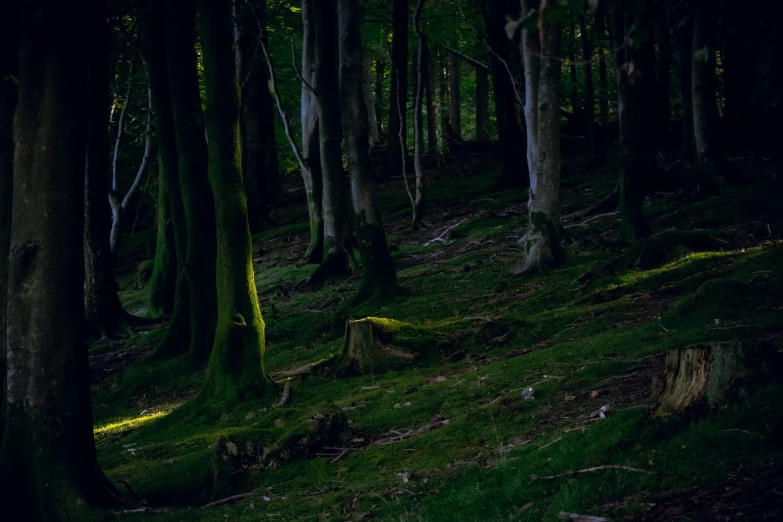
point(380, 74)
point(103, 311)
point(634, 156)
point(192, 327)
point(443, 98)
point(9, 50)
point(171, 246)
point(398, 97)
point(663, 87)
point(236, 368)
point(531, 53)
point(684, 35)
point(369, 101)
point(338, 251)
point(48, 465)
point(587, 57)
point(259, 154)
point(541, 243)
point(576, 105)
point(378, 277)
point(455, 100)
point(514, 172)
point(311, 143)
point(482, 104)
point(603, 84)
point(418, 123)
point(703, 83)
point(432, 111)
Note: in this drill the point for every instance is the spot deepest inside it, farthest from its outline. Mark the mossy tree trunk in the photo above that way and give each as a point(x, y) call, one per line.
point(398, 90)
point(419, 203)
point(9, 47)
point(48, 465)
point(338, 248)
point(371, 346)
point(378, 277)
point(541, 243)
point(257, 132)
point(103, 311)
point(311, 143)
point(235, 369)
point(192, 327)
point(511, 137)
point(634, 155)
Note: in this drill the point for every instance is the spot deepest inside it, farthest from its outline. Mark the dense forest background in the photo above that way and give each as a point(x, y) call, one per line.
point(394, 260)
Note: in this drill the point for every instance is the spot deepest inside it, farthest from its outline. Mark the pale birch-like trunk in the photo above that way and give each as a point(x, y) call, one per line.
point(378, 277)
point(531, 51)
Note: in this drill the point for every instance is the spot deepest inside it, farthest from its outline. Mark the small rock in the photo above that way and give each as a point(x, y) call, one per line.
point(526, 506)
point(407, 404)
point(250, 415)
point(594, 394)
point(527, 393)
point(398, 405)
point(440, 378)
point(570, 397)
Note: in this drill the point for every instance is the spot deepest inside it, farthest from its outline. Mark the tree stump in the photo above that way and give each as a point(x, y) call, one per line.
point(705, 377)
point(376, 345)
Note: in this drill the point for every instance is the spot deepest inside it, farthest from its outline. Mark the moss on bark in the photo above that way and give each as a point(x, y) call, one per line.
point(235, 369)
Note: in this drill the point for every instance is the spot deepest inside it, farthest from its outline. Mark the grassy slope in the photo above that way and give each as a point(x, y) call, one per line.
point(568, 332)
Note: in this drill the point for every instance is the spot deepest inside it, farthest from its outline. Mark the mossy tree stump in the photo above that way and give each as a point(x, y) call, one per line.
point(376, 345)
point(703, 377)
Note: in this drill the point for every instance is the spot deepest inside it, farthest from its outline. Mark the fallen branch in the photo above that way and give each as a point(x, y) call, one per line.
point(283, 399)
point(410, 433)
point(226, 500)
point(597, 468)
point(440, 237)
point(550, 443)
point(593, 218)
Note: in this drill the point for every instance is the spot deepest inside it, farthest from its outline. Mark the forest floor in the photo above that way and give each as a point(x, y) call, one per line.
point(455, 439)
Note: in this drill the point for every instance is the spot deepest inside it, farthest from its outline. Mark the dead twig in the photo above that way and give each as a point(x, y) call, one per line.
point(597, 468)
point(226, 500)
point(283, 399)
point(550, 443)
point(440, 237)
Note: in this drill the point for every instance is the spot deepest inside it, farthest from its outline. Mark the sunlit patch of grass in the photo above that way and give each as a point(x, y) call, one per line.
point(110, 429)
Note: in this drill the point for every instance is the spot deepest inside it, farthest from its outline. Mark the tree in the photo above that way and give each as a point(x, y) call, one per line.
point(235, 370)
point(541, 242)
point(338, 248)
point(48, 466)
point(257, 130)
point(587, 56)
point(455, 101)
point(195, 311)
point(9, 46)
point(684, 37)
point(378, 277)
point(418, 147)
point(632, 37)
point(104, 314)
point(311, 143)
point(398, 97)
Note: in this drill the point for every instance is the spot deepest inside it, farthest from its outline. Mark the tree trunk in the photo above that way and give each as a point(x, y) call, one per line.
point(541, 243)
point(380, 73)
point(511, 137)
point(103, 311)
point(455, 101)
point(587, 57)
point(369, 102)
point(603, 84)
point(443, 98)
point(48, 466)
point(311, 143)
point(236, 370)
point(432, 111)
point(663, 87)
point(192, 326)
point(684, 35)
point(398, 97)
point(531, 52)
point(576, 105)
point(703, 84)
point(370, 349)
point(418, 124)
point(378, 276)
point(9, 51)
point(634, 153)
point(482, 105)
point(259, 153)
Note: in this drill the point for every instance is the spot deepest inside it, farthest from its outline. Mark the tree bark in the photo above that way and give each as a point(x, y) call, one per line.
point(541, 243)
point(378, 276)
point(443, 98)
point(103, 311)
point(369, 101)
point(48, 466)
point(257, 132)
point(482, 105)
point(703, 84)
point(587, 57)
point(603, 84)
point(236, 370)
point(9, 51)
point(432, 111)
point(338, 250)
point(311, 143)
point(634, 154)
point(684, 35)
point(380, 73)
point(531, 52)
point(418, 123)
point(455, 100)
point(192, 326)
point(398, 93)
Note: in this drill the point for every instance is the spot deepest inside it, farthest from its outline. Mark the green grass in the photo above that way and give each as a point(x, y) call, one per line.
point(568, 332)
